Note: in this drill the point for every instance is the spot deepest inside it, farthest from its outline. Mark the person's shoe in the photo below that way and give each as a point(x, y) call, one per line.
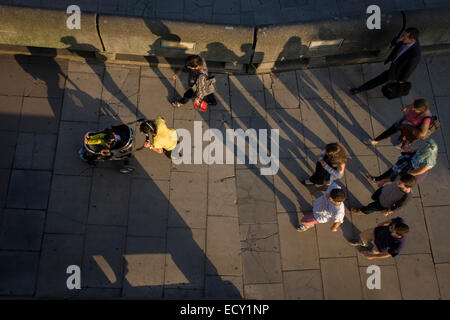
point(176, 104)
point(369, 142)
point(356, 211)
point(355, 243)
point(302, 227)
point(355, 91)
point(368, 176)
point(306, 182)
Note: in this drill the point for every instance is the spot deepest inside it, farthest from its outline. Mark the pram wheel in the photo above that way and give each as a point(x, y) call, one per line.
point(126, 170)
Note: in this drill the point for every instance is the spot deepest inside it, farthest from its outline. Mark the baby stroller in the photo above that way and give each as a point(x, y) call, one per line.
point(121, 149)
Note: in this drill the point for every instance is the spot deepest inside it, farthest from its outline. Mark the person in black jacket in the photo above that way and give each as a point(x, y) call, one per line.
point(404, 59)
point(390, 197)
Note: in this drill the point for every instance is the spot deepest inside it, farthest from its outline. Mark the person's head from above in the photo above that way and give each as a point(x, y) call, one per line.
point(406, 182)
point(410, 35)
point(194, 62)
point(421, 106)
point(336, 196)
point(399, 230)
point(148, 127)
point(110, 139)
point(335, 153)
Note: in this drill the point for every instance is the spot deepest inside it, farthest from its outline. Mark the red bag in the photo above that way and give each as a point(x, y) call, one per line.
point(201, 105)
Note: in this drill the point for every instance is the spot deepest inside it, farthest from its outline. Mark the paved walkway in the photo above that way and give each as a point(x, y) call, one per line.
point(237, 12)
point(199, 231)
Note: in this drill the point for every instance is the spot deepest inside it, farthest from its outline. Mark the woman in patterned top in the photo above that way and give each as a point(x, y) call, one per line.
point(198, 74)
point(417, 163)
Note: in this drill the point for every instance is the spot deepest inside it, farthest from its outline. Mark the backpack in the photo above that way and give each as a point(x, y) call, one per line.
point(434, 125)
point(395, 90)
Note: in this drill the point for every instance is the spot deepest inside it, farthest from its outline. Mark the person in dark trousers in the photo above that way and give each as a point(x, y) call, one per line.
point(404, 59)
point(390, 197)
point(387, 239)
point(198, 76)
point(417, 115)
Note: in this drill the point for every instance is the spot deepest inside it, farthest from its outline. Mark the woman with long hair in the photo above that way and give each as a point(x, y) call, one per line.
point(329, 168)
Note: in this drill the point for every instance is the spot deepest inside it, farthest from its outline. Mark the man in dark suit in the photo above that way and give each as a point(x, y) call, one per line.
point(404, 59)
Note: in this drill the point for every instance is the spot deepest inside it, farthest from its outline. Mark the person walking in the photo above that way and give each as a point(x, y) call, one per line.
point(417, 117)
point(328, 207)
point(199, 86)
point(390, 197)
point(404, 59)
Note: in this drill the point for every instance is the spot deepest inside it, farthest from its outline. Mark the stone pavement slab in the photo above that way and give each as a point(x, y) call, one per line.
point(40, 114)
point(99, 293)
point(8, 141)
point(390, 286)
point(70, 215)
point(103, 256)
point(109, 198)
point(299, 250)
point(4, 184)
point(222, 196)
point(256, 203)
point(436, 194)
point(13, 78)
point(185, 260)
point(223, 247)
point(35, 151)
point(29, 189)
point(290, 130)
point(437, 222)
point(148, 208)
point(291, 195)
point(341, 279)
point(144, 268)
point(443, 275)
point(335, 244)
point(22, 229)
point(303, 285)
point(18, 272)
point(319, 122)
point(10, 107)
point(417, 277)
point(418, 238)
point(223, 287)
point(359, 189)
point(314, 83)
point(70, 140)
point(188, 200)
point(46, 78)
point(354, 125)
point(438, 68)
point(58, 253)
point(82, 97)
point(264, 291)
point(260, 253)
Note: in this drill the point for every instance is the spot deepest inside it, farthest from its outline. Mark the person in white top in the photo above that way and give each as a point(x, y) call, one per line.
point(328, 207)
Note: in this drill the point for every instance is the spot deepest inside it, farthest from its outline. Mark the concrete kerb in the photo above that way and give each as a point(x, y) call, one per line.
point(32, 27)
point(231, 49)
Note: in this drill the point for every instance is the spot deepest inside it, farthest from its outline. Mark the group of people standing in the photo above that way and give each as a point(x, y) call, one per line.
point(394, 187)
